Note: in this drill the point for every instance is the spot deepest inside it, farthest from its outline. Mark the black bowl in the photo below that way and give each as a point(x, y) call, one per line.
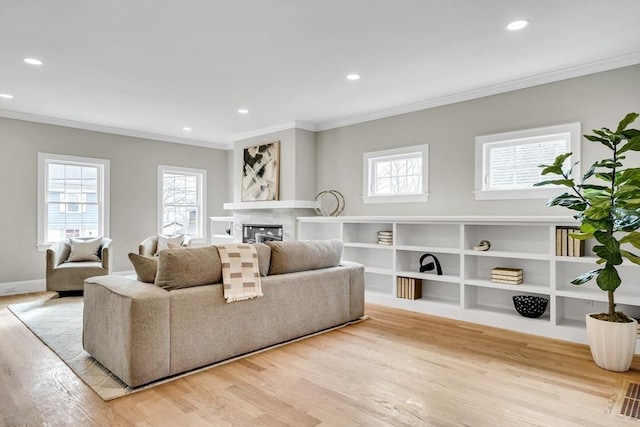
point(530, 306)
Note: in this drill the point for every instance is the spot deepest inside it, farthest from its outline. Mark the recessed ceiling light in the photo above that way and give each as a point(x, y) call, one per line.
point(6, 96)
point(517, 25)
point(243, 111)
point(353, 76)
point(32, 61)
point(186, 129)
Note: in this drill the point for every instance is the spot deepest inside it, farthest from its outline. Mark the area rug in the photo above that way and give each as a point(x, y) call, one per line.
point(57, 322)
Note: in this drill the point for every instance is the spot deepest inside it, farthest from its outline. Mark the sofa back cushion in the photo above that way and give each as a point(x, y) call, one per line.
point(187, 267)
point(264, 257)
point(292, 256)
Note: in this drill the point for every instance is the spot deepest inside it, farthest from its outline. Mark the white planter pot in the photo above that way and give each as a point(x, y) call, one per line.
point(612, 344)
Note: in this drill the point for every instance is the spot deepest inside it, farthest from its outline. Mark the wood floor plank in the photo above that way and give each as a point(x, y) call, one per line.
point(398, 368)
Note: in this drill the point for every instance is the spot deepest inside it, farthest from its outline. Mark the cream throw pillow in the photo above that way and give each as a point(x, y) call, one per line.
point(163, 242)
point(84, 250)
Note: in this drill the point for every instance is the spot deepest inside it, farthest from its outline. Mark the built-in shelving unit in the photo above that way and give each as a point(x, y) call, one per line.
point(220, 229)
point(464, 290)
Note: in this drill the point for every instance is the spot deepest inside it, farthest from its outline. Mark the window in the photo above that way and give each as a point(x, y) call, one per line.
point(73, 198)
point(507, 164)
point(181, 206)
point(396, 175)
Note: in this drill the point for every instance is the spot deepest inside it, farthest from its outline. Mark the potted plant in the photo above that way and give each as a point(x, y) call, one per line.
point(607, 205)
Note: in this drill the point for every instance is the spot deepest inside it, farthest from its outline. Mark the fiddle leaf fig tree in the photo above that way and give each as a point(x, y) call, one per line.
point(607, 204)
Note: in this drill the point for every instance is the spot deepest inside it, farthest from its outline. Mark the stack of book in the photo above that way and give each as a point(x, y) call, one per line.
point(409, 288)
point(567, 245)
point(385, 237)
point(507, 276)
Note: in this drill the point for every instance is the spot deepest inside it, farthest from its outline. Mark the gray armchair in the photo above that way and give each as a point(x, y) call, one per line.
point(149, 246)
point(69, 276)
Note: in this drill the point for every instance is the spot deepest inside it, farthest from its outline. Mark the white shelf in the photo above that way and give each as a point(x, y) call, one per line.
point(524, 287)
point(275, 204)
point(464, 291)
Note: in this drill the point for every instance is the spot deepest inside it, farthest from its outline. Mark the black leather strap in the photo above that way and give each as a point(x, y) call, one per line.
point(430, 265)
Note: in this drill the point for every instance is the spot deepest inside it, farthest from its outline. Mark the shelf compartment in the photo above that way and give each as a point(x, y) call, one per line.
point(371, 257)
point(364, 232)
point(499, 301)
point(383, 284)
point(409, 260)
point(535, 272)
point(507, 254)
point(509, 238)
point(320, 230)
point(628, 290)
point(440, 292)
point(572, 311)
point(429, 235)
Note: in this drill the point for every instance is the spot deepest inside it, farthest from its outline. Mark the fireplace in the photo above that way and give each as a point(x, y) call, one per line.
point(257, 233)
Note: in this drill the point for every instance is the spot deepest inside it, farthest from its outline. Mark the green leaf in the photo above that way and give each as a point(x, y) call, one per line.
point(605, 176)
point(584, 278)
point(557, 170)
point(628, 119)
point(626, 222)
point(568, 201)
point(581, 236)
point(596, 213)
point(631, 257)
point(633, 144)
point(588, 174)
point(601, 140)
point(565, 182)
point(608, 279)
point(633, 238)
point(594, 187)
point(610, 248)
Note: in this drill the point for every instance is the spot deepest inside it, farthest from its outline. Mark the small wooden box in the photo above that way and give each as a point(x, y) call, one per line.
point(409, 288)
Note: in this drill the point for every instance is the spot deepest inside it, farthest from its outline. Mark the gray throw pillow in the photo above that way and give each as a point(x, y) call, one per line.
point(84, 250)
point(145, 266)
point(264, 258)
point(184, 268)
point(292, 256)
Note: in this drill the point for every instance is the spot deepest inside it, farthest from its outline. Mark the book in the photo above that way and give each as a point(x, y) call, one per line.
point(558, 241)
point(385, 233)
point(387, 239)
point(565, 239)
point(507, 271)
point(507, 282)
point(501, 277)
point(385, 243)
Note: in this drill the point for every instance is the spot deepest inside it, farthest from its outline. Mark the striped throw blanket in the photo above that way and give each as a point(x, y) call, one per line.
point(240, 274)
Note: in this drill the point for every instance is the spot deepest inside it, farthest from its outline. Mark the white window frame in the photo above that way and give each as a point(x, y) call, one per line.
point(103, 165)
point(201, 175)
point(369, 159)
point(570, 132)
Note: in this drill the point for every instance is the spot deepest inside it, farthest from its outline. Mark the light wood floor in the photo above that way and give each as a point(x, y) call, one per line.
point(396, 369)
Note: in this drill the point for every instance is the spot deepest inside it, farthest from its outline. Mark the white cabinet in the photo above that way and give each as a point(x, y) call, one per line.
point(464, 290)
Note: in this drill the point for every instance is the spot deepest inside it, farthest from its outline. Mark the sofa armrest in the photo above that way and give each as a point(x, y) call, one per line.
point(104, 254)
point(126, 327)
point(356, 288)
point(57, 254)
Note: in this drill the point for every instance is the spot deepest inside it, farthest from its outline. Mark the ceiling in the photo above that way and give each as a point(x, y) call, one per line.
point(151, 68)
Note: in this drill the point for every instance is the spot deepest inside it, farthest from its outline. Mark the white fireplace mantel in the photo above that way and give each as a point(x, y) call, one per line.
point(275, 204)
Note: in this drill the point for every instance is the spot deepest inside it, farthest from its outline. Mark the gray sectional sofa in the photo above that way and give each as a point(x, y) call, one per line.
point(143, 332)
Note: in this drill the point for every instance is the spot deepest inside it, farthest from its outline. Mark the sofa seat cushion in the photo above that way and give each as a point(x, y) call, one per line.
point(293, 256)
point(187, 267)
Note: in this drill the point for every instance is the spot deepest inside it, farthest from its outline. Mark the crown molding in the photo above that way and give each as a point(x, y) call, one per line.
point(526, 82)
point(109, 129)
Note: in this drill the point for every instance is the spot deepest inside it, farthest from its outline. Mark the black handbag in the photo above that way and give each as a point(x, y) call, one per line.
point(429, 265)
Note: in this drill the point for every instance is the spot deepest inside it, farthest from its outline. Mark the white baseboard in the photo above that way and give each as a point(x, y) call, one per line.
point(38, 285)
point(23, 287)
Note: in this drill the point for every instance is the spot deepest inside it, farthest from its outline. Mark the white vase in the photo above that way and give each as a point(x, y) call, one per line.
point(612, 344)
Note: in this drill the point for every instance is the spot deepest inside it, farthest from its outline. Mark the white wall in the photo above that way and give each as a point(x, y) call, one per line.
point(134, 171)
point(596, 100)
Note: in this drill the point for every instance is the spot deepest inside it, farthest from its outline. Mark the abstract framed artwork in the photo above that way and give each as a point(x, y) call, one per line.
point(261, 172)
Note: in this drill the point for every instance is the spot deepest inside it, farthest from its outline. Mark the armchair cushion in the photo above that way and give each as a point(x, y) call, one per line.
point(84, 250)
point(163, 241)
